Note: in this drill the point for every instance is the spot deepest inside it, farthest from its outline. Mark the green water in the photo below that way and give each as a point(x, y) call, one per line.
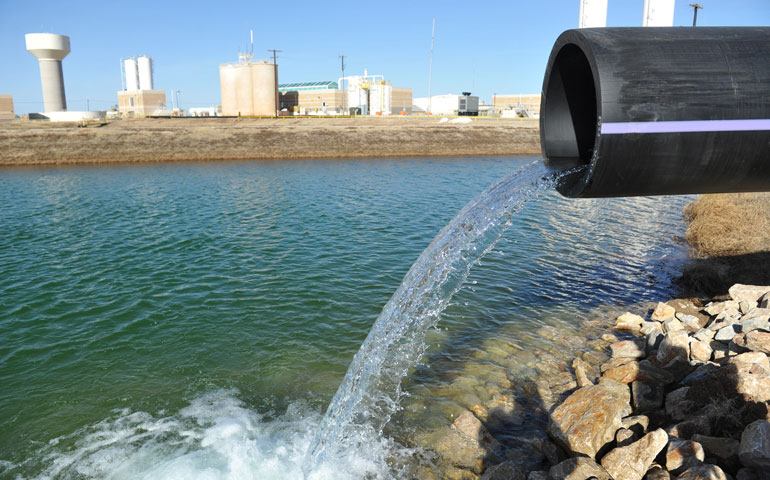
point(137, 297)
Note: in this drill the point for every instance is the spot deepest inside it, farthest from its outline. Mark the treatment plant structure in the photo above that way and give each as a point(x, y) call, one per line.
point(138, 97)
point(50, 49)
point(249, 87)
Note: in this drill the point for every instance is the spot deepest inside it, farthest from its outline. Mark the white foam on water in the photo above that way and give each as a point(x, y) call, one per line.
point(215, 437)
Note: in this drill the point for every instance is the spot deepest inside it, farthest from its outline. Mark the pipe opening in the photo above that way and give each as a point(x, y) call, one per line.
point(569, 114)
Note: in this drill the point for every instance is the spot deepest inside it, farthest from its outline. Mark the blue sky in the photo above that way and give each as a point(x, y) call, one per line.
point(486, 47)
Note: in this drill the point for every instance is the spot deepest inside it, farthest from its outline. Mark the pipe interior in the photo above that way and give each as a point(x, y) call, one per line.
point(570, 117)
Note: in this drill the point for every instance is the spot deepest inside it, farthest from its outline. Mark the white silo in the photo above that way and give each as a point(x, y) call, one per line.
point(144, 65)
point(132, 75)
point(50, 49)
point(593, 13)
point(658, 13)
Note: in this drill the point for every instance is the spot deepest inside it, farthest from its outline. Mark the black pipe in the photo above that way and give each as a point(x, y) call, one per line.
point(658, 111)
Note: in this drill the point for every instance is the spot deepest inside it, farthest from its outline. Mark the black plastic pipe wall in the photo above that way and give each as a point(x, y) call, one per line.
point(656, 111)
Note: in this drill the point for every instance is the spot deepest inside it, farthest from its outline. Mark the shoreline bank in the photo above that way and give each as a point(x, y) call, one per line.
point(175, 140)
point(680, 392)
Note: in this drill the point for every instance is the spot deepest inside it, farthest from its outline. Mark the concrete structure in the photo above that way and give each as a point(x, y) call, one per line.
point(141, 102)
point(249, 88)
point(6, 108)
point(658, 13)
point(527, 105)
point(50, 49)
point(144, 70)
point(593, 13)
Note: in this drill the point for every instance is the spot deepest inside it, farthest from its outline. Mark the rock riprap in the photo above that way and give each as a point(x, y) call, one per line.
point(683, 393)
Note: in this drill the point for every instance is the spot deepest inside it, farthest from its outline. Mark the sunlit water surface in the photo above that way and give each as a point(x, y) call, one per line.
point(195, 320)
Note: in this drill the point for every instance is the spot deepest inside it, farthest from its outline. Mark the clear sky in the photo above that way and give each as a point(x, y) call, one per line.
point(485, 47)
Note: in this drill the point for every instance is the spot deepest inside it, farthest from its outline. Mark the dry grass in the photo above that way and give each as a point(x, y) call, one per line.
point(158, 140)
point(730, 237)
point(729, 224)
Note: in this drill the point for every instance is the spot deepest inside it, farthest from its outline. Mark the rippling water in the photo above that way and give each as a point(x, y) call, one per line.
point(198, 317)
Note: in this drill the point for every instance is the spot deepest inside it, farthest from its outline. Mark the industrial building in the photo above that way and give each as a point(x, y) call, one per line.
point(138, 97)
point(6, 108)
point(311, 97)
point(363, 94)
point(249, 87)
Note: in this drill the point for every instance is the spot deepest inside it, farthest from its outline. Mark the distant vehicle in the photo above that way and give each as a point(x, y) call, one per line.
point(468, 105)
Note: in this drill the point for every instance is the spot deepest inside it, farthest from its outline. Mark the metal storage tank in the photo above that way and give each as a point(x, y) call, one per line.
point(248, 89)
point(144, 65)
point(132, 77)
point(593, 13)
point(658, 13)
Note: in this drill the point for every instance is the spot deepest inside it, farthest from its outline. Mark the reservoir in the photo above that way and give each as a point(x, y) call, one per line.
point(194, 320)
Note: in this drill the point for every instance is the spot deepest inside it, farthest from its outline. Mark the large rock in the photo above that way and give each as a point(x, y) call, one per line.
point(758, 341)
point(470, 426)
point(467, 444)
point(628, 348)
point(678, 406)
point(754, 450)
point(752, 293)
point(589, 417)
point(700, 351)
point(662, 312)
point(703, 472)
point(579, 468)
point(675, 345)
point(581, 376)
point(683, 454)
point(724, 449)
point(629, 321)
point(504, 471)
point(646, 396)
point(632, 462)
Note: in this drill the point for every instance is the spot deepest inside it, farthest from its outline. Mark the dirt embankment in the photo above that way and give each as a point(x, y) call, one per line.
point(193, 139)
point(730, 236)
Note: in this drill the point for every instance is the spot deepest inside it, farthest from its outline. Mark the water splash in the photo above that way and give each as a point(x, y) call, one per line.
point(370, 392)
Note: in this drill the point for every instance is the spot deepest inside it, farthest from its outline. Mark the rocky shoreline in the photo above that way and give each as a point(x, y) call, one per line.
point(681, 393)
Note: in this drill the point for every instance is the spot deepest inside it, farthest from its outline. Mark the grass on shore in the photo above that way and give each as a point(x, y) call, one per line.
point(730, 238)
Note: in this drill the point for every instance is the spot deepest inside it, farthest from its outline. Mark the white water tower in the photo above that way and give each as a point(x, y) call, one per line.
point(658, 13)
point(144, 65)
point(50, 49)
point(593, 13)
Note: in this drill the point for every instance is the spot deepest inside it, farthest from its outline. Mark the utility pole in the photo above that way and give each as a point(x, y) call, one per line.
point(430, 68)
point(342, 84)
point(275, 64)
point(695, 8)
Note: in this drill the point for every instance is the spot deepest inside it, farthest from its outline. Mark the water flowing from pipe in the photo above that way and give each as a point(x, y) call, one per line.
point(370, 392)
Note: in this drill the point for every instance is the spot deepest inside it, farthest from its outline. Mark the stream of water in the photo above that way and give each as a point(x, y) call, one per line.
point(371, 390)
